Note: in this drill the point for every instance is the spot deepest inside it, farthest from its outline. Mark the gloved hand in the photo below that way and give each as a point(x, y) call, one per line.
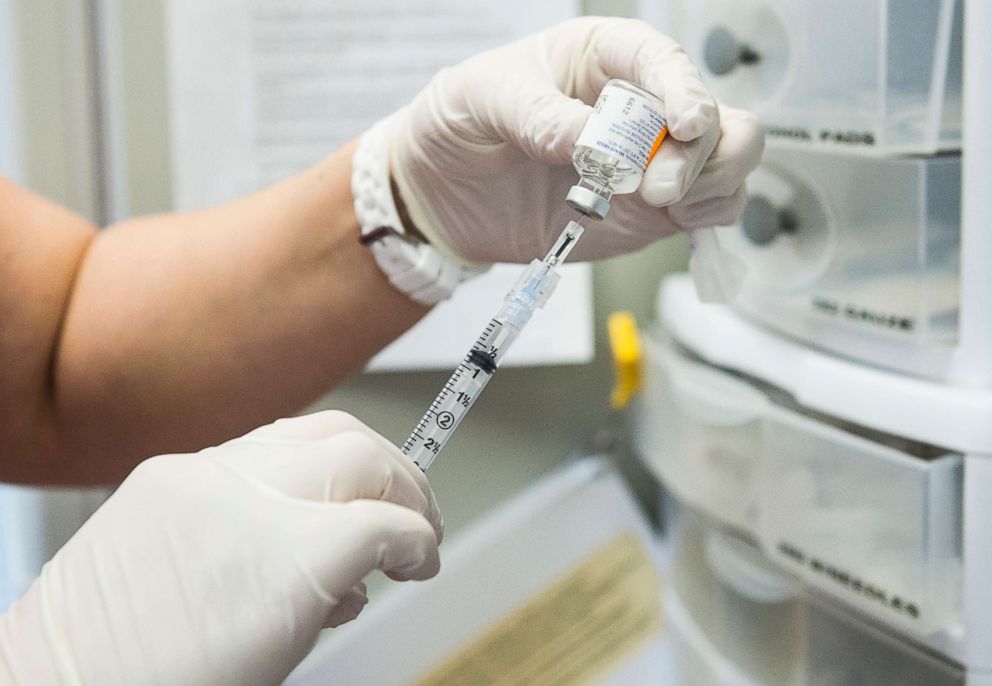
point(482, 157)
point(221, 567)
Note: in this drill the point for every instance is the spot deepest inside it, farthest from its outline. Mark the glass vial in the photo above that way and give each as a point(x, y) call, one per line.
point(615, 146)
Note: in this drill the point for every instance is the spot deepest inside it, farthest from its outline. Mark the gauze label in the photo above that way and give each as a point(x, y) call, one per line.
point(625, 124)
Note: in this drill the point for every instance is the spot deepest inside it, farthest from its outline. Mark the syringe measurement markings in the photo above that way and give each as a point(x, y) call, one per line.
point(450, 387)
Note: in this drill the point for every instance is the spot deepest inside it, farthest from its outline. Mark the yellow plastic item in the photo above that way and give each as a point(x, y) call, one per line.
point(625, 343)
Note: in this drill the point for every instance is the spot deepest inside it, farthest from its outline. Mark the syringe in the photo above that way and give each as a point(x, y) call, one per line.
point(465, 384)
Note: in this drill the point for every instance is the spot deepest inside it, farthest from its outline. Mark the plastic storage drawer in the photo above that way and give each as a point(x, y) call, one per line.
point(737, 620)
point(869, 523)
point(857, 255)
point(877, 75)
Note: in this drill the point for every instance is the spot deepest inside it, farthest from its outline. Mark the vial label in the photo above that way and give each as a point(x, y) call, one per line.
point(625, 124)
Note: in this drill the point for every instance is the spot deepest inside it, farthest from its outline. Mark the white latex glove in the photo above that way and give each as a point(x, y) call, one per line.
point(221, 567)
point(482, 157)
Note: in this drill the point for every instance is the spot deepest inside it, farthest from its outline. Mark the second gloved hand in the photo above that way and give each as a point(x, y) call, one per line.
point(482, 157)
point(221, 567)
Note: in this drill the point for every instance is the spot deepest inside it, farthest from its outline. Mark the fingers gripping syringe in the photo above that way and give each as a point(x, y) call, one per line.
point(465, 384)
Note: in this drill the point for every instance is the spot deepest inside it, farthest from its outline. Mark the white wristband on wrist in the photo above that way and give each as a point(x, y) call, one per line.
point(412, 266)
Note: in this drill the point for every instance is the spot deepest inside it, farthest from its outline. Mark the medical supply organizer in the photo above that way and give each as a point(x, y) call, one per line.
point(855, 242)
point(844, 496)
point(825, 443)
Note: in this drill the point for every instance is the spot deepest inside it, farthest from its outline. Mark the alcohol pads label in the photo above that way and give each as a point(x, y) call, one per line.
point(625, 124)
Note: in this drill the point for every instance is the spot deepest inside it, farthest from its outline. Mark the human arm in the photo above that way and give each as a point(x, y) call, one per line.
point(170, 332)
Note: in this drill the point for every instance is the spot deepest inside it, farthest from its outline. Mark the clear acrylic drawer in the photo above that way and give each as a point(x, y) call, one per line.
point(869, 75)
point(865, 518)
point(737, 620)
point(701, 431)
point(857, 255)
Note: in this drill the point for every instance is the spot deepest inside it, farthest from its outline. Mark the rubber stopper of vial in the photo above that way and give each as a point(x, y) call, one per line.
point(588, 202)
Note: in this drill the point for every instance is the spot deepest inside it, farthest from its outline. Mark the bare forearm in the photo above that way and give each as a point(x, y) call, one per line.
point(184, 330)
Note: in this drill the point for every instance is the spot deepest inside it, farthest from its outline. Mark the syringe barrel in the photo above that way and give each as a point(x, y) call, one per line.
point(463, 387)
point(514, 315)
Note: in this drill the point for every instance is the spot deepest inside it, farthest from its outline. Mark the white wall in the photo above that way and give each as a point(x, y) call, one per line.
point(10, 125)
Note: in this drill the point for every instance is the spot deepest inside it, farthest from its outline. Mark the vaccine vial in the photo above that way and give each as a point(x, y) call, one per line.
point(615, 146)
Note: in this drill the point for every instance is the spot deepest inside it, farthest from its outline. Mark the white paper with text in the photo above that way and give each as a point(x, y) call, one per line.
point(261, 89)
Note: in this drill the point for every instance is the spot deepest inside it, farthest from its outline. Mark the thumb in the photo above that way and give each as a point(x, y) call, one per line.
point(348, 608)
